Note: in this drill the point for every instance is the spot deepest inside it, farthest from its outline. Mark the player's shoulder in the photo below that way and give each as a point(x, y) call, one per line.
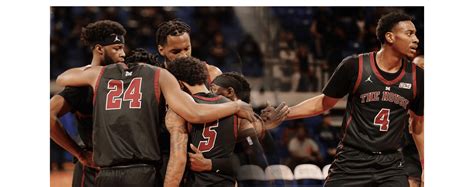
point(349, 62)
point(351, 58)
point(213, 70)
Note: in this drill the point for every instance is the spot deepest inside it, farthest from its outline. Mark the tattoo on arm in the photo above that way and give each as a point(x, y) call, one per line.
point(178, 142)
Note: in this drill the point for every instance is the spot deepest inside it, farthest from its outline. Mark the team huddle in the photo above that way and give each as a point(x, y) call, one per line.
point(182, 122)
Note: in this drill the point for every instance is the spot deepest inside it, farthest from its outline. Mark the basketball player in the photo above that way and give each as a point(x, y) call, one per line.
point(125, 137)
point(106, 40)
point(383, 87)
point(173, 41)
point(410, 153)
point(213, 140)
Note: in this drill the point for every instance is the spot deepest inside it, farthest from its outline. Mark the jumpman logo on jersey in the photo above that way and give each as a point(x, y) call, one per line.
point(128, 73)
point(368, 79)
point(116, 39)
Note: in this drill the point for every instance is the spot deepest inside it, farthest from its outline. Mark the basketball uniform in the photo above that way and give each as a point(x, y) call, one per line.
point(126, 131)
point(373, 124)
point(216, 140)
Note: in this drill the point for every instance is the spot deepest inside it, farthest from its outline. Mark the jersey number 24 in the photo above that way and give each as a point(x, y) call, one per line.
point(133, 94)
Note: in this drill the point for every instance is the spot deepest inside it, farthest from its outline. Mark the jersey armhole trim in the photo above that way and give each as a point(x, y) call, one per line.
point(359, 74)
point(97, 84)
point(207, 98)
point(414, 79)
point(156, 83)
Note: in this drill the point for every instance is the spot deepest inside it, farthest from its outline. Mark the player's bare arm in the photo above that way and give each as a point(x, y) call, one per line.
point(417, 125)
point(183, 104)
point(82, 76)
point(58, 107)
point(178, 140)
point(312, 107)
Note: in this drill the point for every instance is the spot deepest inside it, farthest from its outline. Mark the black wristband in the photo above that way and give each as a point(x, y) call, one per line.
point(226, 166)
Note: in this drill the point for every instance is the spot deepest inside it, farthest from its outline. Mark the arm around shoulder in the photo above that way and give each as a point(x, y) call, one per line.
point(83, 76)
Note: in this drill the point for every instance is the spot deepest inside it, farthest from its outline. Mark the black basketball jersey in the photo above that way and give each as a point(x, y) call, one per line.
point(80, 102)
point(165, 135)
point(377, 109)
point(215, 139)
point(126, 115)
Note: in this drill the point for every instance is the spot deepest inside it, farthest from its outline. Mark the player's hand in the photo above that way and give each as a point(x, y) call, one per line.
point(273, 117)
point(197, 161)
point(86, 160)
point(245, 111)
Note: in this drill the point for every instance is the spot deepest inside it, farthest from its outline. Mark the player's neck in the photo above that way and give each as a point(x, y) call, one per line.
point(96, 60)
point(388, 60)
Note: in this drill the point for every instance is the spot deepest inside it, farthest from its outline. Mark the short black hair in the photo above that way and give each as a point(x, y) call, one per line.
point(190, 70)
point(141, 55)
point(95, 32)
point(173, 28)
point(388, 21)
point(237, 81)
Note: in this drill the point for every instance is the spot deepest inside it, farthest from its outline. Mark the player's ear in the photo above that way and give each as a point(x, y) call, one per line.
point(389, 37)
point(99, 48)
point(230, 92)
point(161, 50)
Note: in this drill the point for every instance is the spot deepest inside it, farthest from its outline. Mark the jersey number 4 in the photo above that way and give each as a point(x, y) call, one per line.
point(133, 93)
point(209, 134)
point(382, 119)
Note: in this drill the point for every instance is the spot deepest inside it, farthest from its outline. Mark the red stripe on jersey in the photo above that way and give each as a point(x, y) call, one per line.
point(413, 66)
point(349, 120)
point(359, 74)
point(97, 84)
point(235, 126)
point(156, 83)
point(206, 98)
point(380, 77)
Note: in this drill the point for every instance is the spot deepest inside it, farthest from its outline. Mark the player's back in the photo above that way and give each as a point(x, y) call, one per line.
point(215, 140)
point(126, 115)
point(377, 109)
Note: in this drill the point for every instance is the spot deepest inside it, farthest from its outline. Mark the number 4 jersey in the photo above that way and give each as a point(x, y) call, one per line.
point(377, 109)
point(126, 115)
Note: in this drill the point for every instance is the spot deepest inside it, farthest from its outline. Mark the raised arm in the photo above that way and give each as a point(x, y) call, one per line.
point(184, 105)
point(178, 140)
point(82, 76)
point(312, 107)
point(274, 117)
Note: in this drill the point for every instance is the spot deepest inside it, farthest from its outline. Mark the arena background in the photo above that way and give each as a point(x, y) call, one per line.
point(287, 53)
